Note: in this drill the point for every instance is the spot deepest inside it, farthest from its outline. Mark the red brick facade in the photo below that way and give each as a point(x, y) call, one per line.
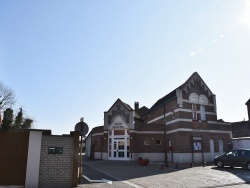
point(188, 113)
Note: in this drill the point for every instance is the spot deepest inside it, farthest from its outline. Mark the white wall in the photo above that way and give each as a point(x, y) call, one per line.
point(33, 161)
point(88, 145)
point(100, 155)
point(241, 143)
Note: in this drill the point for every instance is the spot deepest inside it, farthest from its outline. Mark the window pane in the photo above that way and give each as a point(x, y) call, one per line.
point(203, 115)
point(120, 154)
point(121, 145)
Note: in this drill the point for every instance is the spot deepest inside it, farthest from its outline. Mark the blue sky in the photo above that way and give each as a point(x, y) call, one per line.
point(68, 59)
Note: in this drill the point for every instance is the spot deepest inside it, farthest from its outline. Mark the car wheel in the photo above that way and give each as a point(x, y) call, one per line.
point(248, 166)
point(219, 164)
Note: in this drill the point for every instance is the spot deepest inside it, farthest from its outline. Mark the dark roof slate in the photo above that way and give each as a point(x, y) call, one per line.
point(128, 107)
point(164, 99)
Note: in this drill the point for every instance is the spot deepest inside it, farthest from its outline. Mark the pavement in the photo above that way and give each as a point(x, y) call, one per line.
point(105, 173)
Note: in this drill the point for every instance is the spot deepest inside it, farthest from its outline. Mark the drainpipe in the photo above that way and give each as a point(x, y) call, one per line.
point(165, 138)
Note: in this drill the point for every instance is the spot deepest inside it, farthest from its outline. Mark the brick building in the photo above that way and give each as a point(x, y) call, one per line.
point(180, 127)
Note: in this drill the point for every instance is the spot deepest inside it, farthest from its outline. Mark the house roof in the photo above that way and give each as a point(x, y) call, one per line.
point(184, 86)
point(128, 107)
point(143, 110)
point(125, 104)
point(241, 129)
point(191, 79)
point(164, 99)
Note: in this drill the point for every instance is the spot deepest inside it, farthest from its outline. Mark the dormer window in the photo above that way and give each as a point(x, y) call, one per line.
point(194, 112)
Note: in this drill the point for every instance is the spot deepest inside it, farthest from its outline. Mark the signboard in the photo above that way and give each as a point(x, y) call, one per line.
point(197, 138)
point(55, 150)
point(82, 127)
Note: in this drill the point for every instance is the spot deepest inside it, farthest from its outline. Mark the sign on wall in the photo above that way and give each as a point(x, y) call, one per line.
point(55, 150)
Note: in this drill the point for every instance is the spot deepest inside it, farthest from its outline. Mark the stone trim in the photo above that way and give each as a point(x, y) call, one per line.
point(199, 130)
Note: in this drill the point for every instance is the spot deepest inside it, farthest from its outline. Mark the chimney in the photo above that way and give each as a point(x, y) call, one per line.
point(136, 107)
point(248, 109)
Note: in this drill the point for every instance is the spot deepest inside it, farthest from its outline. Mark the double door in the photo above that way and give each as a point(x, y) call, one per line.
point(118, 149)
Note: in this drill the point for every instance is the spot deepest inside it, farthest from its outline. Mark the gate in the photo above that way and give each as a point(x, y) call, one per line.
point(13, 157)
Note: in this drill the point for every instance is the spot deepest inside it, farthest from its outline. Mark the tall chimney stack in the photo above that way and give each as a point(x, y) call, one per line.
point(248, 108)
point(136, 107)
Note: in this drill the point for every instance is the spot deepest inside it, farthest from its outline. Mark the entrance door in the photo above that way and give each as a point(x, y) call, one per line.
point(119, 149)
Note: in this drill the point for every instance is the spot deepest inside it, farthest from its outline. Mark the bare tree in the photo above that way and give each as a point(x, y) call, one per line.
point(7, 97)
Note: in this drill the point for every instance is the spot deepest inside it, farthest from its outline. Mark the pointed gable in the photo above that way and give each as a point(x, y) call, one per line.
point(185, 86)
point(191, 81)
point(124, 104)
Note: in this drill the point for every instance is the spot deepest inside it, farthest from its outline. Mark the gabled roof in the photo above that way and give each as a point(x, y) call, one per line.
point(126, 105)
point(164, 99)
point(184, 86)
point(141, 111)
point(191, 79)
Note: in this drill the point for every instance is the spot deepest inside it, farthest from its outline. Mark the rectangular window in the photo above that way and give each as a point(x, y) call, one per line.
point(194, 112)
point(203, 113)
point(158, 142)
point(146, 142)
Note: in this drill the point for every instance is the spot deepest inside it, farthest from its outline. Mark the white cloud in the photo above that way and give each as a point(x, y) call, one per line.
point(221, 36)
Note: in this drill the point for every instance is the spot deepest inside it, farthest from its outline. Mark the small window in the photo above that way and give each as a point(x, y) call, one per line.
point(194, 112)
point(146, 142)
point(158, 142)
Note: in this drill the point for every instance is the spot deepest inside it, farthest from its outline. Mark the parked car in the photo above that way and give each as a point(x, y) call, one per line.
point(237, 157)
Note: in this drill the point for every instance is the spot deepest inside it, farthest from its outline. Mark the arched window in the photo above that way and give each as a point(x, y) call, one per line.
point(202, 100)
point(193, 98)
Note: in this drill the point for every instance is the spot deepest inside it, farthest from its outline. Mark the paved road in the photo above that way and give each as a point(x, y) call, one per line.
point(130, 174)
point(96, 179)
